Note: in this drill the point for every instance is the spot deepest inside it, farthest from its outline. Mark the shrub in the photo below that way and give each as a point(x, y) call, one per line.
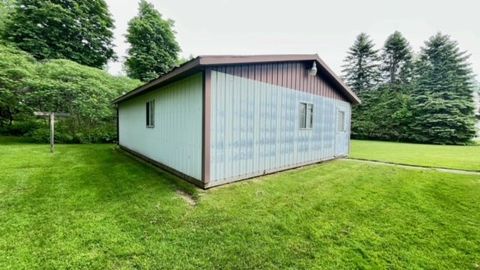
point(21, 128)
point(58, 86)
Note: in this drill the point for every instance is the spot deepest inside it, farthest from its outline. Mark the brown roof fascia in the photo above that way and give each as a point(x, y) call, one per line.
point(352, 96)
point(176, 72)
point(211, 60)
point(251, 59)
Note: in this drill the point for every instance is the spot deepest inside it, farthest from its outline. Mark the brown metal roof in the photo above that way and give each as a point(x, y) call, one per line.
point(202, 61)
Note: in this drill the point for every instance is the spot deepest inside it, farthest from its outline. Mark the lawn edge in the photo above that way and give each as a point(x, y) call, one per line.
point(415, 165)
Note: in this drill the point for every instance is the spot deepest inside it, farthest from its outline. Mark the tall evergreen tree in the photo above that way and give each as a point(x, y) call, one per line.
point(50, 29)
point(385, 113)
point(361, 70)
point(153, 48)
point(396, 57)
point(442, 103)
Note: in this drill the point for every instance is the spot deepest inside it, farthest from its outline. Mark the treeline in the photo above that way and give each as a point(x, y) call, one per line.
point(424, 97)
point(52, 53)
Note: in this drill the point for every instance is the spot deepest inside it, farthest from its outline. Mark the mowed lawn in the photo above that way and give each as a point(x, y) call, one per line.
point(93, 207)
point(443, 156)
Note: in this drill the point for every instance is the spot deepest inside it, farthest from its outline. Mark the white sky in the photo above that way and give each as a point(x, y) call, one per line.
point(304, 26)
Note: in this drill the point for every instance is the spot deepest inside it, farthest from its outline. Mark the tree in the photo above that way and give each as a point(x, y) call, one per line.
point(5, 9)
point(183, 60)
point(361, 69)
point(64, 86)
point(383, 115)
point(477, 101)
point(361, 72)
point(442, 102)
point(153, 48)
point(57, 85)
point(84, 92)
point(80, 31)
point(396, 57)
point(17, 68)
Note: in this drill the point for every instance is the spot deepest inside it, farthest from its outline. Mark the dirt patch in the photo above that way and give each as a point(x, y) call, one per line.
point(187, 197)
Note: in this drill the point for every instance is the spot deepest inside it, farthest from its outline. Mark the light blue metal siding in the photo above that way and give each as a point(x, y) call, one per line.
point(255, 128)
point(176, 139)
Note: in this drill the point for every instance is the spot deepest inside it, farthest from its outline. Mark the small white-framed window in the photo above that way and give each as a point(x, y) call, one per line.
point(341, 121)
point(150, 113)
point(306, 115)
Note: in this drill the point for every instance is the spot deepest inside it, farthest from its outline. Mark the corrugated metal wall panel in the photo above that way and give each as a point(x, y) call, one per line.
point(255, 124)
point(292, 75)
point(176, 139)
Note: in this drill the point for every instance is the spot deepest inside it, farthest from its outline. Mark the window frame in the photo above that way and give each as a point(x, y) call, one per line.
point(306, 115)
point(150, 113)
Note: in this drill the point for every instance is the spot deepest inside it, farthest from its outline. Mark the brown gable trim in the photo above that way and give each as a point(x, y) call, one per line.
point(292, 75)
point(339, 82)
point(202, 61)
point(250, 59)
point(181, 71)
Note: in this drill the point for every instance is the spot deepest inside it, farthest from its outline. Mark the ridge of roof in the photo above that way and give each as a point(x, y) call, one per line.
point(212, 60)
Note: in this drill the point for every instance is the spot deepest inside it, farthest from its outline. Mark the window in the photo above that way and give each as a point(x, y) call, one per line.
point(306, 115)
point(341, 121)
point(150, 113)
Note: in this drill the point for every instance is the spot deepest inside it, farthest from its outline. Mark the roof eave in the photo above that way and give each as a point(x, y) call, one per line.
point(178, 71)
point(350, 94)
point(203, 61)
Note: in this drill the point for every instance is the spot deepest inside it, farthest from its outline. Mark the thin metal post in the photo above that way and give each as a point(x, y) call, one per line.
point(52, 132)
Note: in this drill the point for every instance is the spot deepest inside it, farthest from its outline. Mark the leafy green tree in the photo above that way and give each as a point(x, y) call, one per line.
point(84, 92)
point(17, 68)
point(442, 103)
point(361, 68)
point(396, 58)
point(153, 48)
point(80, 31)
point(6, 7)
point(62, 86)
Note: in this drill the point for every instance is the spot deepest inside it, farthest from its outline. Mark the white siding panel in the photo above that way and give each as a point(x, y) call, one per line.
point(255, 128)
point(176, 139)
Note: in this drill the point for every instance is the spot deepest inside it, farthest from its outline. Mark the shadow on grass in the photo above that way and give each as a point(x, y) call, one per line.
point(11, 140)
point(179, 184)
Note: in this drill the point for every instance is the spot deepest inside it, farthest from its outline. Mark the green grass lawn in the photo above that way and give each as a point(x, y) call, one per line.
point(444, 156)
point(92, 207)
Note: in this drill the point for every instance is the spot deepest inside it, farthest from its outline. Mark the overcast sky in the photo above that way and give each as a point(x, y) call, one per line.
point(304, 26)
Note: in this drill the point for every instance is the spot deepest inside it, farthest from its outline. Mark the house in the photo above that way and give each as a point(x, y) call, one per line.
point(219, 119)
